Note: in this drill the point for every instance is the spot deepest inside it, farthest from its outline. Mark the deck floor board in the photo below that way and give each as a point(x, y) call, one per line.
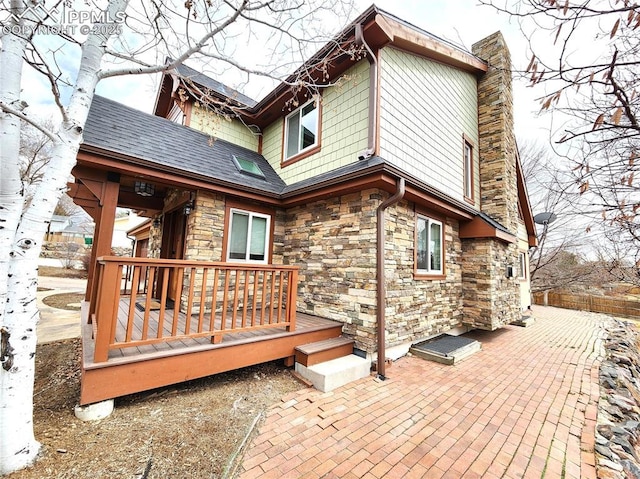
point(304, 322)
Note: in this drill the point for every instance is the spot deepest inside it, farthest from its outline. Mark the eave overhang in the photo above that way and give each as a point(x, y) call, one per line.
point(478, 228)
point(525, 206)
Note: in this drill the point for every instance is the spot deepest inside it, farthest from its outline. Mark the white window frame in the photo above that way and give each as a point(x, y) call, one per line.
point(176, 114)
point(251, 215)
point(468, 169)
point(522, 265)
point(428, 222)
point(316, 133)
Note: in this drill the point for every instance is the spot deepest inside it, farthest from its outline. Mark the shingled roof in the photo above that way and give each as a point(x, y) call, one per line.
point(205, 81)
point(157, 142)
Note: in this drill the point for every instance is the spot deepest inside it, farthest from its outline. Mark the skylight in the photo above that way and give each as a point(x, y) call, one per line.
point(248, 166)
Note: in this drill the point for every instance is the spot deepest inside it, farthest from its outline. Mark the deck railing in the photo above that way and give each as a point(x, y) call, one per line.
point(161, 300)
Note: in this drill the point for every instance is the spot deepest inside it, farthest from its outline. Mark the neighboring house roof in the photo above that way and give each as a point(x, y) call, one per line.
point(147, 139)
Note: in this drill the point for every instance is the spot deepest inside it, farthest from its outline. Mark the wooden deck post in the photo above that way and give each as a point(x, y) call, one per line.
point(107, 310)
point(291, 301)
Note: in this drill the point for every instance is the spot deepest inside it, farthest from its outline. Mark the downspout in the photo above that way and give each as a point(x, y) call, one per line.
point(373, 95)
point(381, 287)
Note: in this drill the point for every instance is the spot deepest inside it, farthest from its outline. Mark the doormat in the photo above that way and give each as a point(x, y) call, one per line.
point(446, 348)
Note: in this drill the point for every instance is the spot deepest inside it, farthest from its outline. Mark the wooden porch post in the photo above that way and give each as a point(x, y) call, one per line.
point(105, 187)
point(293, 298)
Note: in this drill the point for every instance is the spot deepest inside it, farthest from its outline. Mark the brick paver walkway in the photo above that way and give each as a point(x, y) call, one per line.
point(525, 406)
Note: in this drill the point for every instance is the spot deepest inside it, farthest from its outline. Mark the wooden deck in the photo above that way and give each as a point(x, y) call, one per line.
point(133, 368)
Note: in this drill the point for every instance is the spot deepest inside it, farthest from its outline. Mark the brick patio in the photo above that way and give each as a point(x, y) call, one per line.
point(523, 407)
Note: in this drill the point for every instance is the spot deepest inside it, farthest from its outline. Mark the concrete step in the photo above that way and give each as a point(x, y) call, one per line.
point(325, 350)
point(330, 375)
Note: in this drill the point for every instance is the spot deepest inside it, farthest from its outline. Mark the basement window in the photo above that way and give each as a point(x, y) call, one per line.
point(249, 167)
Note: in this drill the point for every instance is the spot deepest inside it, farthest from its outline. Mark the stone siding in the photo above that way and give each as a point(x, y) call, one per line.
point(491, 298)
point(205, 228)
point(334, 243)
point(497, 146)
point(419, 307)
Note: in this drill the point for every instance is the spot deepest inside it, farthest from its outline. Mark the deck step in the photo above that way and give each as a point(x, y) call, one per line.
point(321, 351)
point(330, 375)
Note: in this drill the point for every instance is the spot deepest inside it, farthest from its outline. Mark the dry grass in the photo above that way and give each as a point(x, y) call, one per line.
point(191, 430)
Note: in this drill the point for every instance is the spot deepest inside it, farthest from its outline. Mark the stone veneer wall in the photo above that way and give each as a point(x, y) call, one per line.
point(492, 300)
point(334, 243)
point(205, 228)
point(417, 308)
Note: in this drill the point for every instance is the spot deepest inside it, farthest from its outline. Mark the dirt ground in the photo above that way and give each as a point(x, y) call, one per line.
point(192, 430)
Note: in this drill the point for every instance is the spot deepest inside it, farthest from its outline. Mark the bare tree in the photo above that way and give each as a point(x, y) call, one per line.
point(34, 153)
point(593, 94)
point(548, 187)
point(242, 37)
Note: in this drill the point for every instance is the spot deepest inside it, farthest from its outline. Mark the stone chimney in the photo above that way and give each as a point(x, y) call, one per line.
point(490, 294)
point(497, 146)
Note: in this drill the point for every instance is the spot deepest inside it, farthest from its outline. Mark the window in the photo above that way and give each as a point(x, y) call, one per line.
point(522, 265)
point(468, 169)
point(301, 130)
point(429, 246)
point(248, 236)
point(248, 166)
point(176, 114)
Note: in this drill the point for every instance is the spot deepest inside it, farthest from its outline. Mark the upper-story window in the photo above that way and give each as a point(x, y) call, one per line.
point(429, 242)
point(301, 131)
point(467, 158)
point(176, 114)
point(248, 236)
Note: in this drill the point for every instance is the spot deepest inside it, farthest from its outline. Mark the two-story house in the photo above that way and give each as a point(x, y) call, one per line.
point(390, 203)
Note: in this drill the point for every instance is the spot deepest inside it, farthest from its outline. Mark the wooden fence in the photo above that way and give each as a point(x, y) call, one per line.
point(585, 302)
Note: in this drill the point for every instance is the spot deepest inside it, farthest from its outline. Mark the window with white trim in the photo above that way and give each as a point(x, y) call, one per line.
point(429, 250)
point(248, 236)
point(468, 170)
point(301, 129)
point(522, 265)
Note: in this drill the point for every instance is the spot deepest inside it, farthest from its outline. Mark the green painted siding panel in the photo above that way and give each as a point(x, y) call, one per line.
point(345, 109)
point(231, 130)
point(425, 108)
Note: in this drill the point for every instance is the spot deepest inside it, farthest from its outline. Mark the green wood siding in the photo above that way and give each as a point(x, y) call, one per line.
point(425, 108)
point(345, 110)
point(231, 130)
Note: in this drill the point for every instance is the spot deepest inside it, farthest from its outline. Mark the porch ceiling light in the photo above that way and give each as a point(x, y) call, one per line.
point(144, 189)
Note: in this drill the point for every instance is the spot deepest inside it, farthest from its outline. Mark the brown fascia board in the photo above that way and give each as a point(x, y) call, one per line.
point(525, 205)
point(119, 163)
point(381, 176)
point(478, 228)
point(408, 39)
point(140, 229)
point(168, 84)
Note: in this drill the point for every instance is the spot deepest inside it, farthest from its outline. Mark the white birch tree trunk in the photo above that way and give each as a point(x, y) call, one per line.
point(22, 229)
